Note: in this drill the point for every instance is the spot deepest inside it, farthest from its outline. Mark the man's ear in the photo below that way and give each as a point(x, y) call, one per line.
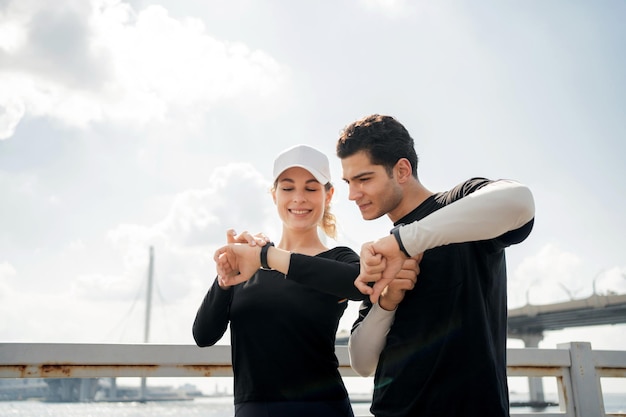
point(403, 170)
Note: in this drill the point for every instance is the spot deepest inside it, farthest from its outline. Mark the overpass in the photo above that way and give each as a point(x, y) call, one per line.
point(531, 321)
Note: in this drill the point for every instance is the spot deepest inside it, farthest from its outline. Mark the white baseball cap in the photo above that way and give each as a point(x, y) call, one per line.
point(306, 157)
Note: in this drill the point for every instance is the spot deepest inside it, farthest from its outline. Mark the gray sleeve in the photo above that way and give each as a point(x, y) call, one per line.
point(486, 213)
point(368, 340)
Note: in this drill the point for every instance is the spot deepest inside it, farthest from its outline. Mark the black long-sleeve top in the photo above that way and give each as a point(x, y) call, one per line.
point(445, 353)
point(283, 327)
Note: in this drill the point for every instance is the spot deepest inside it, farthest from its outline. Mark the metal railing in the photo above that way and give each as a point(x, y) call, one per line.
point(576, 367)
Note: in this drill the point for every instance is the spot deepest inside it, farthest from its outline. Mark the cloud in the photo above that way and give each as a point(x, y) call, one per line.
point(110, 63)
point(11, 112)
point(390, 8)
point(7, 274)
point(611, 281)
point(237, 197)
point(552, 275)
point(185, 239)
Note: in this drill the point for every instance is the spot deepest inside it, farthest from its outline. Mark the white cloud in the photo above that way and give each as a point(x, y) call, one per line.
point(128, 67)
point(7, 271)
point(7, 274)
point(195, 226)
point(552, 275)
point(238, 196)
point(183, 241)
point(611, 281)
point(12, 28)
point(391, 8)
point(11, 112)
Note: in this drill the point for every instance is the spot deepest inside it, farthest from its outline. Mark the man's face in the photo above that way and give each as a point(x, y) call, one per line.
point(371, 188)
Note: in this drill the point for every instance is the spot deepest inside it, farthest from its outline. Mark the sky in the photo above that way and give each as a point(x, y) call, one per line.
point(126, 125)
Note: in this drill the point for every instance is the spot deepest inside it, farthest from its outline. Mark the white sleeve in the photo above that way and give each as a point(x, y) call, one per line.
point(368, 340)
point(488, 212)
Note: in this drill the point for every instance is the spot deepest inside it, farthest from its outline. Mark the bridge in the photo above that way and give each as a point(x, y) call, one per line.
point(529, 322)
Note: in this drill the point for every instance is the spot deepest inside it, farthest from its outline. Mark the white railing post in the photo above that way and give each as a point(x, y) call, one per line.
point(585, 382)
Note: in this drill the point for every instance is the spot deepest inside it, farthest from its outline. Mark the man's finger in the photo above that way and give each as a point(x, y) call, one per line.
point(377, 288)
point(373, 260)
point(411, 264)
point(407, 274)
point(402, 284)
point(362, 285)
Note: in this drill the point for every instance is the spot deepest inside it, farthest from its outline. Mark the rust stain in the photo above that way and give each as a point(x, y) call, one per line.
point(533, 371)
point(80, 371)
point(207, 370)
point(612, 372)
point(21, 370)
point(560, 383)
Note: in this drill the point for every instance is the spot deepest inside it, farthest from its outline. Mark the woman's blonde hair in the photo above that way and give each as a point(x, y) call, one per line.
point(329, 221)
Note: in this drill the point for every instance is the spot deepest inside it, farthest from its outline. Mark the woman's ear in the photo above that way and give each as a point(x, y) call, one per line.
point(329, 195)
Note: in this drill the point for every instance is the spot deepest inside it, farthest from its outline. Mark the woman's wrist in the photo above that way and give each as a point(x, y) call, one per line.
point(264, 255)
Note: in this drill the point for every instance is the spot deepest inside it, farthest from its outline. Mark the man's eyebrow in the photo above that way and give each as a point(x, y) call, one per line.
point(356, 177)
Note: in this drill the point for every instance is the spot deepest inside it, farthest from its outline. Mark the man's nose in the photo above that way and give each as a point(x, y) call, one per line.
point(354, 194)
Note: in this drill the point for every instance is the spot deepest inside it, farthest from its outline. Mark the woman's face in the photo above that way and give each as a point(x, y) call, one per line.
point(300, 199)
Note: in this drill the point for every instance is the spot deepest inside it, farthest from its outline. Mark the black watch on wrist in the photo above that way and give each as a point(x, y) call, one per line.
point(264, 250)
point(396, 233)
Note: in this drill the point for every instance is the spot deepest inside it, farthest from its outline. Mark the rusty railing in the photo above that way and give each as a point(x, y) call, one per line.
point(577, 368)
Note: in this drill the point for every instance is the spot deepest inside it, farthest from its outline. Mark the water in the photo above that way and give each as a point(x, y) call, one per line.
point(205, 407)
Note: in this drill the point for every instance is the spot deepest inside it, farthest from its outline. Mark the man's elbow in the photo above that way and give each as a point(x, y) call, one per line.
point(524, 204)
point(362, 369)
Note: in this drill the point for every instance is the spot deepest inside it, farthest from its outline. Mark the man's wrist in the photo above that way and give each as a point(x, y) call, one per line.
point(396, 234)
point(385, 306)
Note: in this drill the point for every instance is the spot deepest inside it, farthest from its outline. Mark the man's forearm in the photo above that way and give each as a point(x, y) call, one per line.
point(484, 214)
point(368, 340)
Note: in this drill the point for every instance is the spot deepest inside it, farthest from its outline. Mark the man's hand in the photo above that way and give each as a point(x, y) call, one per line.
point(394, 293)
point(380, 263)
point(246, 237)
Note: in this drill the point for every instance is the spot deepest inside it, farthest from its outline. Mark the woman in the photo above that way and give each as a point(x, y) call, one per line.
point(284, 302)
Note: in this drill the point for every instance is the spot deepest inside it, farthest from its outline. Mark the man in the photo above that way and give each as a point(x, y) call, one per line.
point(439, 349)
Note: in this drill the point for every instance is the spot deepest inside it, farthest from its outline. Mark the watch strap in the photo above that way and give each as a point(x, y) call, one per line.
point(264, 250)
point(396, 233)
